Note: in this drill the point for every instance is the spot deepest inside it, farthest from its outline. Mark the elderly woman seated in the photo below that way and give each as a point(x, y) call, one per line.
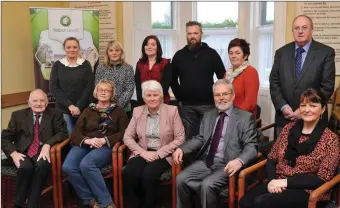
point(97, 130)
point(304, 156)
point(154, 132)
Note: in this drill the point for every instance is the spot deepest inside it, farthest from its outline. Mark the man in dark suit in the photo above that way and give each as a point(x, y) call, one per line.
point(30, 134)
point(227, 142)
point(304, 63)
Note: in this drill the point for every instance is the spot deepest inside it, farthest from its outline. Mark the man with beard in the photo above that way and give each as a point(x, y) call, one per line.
point(195, 66)
point(227, 141)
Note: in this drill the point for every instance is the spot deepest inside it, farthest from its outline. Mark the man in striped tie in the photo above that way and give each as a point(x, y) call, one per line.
point(299, 65)
point(30, 134)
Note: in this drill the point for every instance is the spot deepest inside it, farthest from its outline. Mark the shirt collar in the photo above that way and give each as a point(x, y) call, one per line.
point(41, 114)
point(305, 47)
point(148, 112)
point(79, 62)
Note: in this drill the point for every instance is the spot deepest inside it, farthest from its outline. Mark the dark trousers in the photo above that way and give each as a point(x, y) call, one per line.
point(259, 197)
point(141, 178)
point(192, 116)
point(31, 179)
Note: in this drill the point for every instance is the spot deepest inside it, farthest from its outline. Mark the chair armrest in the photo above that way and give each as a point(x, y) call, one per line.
point(313, 197)
point(120, 174)
point(267, 127)
point(58, 153)
point(115, 172)
point(115, 147)
point(244, 173)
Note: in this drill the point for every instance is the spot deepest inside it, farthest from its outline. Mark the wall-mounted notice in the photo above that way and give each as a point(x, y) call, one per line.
point(107, 21)
point(326, 19)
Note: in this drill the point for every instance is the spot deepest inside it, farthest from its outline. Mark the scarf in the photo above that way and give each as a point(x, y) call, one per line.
point(294, 148)
point(231, 74)
point(104, 116)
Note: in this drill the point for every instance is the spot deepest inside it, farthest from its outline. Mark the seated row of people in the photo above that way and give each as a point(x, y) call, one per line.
point(304, 156)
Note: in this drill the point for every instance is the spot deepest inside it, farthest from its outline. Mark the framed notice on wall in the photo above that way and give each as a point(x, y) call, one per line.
point(326, 19)
point(107, 21)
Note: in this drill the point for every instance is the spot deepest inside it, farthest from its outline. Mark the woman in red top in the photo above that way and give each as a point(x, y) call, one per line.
point(153, 67)
point(304, 156)
point(243, 76)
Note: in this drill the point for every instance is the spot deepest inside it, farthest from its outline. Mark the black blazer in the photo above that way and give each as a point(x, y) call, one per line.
point(318, 72)
point(19, 134)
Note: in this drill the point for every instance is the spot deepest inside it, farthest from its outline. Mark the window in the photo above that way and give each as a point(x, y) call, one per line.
point(219, 21)
point(162, 26)
point(264, 41)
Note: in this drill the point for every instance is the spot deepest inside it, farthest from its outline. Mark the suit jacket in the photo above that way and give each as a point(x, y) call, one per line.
point(171, 131)
point(20, 132)
point(318, 72)
point(240, 139)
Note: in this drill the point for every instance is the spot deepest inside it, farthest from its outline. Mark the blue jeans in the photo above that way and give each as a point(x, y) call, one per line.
point(82, 165)
point(70, 122)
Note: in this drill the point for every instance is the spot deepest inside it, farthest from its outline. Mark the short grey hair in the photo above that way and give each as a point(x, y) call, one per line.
point(38, 90)
point(225, 82)
point(152, 85)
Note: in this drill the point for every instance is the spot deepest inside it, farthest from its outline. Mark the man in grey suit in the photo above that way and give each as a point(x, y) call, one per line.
point(301, 64)
point(227, 141)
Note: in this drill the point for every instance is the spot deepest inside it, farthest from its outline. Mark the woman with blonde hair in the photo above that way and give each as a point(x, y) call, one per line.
point(98, 129)
point(119, 72)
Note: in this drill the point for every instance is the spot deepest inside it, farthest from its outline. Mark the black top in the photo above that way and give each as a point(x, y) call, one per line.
point(195, 70)
point(72, 85)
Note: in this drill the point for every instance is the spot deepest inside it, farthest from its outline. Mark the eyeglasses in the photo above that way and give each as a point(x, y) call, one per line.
point(225, 94)
point(303, 28)
point(104, 90)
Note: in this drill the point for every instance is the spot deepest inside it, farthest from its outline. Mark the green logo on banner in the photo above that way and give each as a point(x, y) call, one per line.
point(65, 21)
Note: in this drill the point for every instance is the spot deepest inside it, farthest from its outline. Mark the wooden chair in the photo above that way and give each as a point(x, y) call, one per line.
point(9, 172)
point(313, 196)
point(108, 172)
point(167, 178)
point(230, 193)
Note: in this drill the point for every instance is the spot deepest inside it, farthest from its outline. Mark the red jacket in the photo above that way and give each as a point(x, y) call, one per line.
point(246, 86)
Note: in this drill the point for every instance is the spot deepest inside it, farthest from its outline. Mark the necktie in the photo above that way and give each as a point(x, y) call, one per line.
point(216, 139)
point(298, 62)
point(34, 147)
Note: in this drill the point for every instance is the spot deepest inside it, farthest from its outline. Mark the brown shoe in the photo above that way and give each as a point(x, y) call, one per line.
point(94, 204)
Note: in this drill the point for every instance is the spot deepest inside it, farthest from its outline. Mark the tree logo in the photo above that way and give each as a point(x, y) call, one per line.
point(65, 21)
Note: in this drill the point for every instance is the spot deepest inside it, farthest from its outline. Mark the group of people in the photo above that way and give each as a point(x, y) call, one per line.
point(215, 122)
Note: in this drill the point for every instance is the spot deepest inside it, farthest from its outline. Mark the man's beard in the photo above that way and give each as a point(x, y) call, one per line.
point(194, 46)
point(223, 106)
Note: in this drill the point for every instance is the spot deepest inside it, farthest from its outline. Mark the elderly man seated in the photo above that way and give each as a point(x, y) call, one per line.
point(30, 134)
point(227, 141)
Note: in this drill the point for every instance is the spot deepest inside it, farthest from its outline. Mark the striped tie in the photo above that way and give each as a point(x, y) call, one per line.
point(298, 62)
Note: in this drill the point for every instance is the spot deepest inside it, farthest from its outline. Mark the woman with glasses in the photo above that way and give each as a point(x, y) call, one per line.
point(98, 128)
point(243, 76)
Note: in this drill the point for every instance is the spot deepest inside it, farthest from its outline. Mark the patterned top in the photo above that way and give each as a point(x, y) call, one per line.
point(123, 77)
point(152, 130)
point(322, 161)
